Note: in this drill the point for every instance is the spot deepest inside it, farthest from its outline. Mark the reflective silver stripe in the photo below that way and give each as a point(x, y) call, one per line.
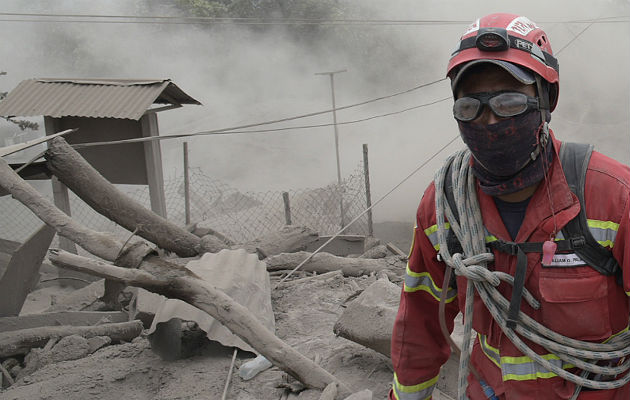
point(421, 391)
point(490, 352)
point(415, 281)
point(524, 368)
point(604, 232)
point(520, 368)
point(431, 233)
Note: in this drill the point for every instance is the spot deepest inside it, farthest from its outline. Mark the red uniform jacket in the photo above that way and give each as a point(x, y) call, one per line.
point(577, 302)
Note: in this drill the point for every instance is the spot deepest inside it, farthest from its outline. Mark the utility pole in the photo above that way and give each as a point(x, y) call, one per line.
point(331, 74)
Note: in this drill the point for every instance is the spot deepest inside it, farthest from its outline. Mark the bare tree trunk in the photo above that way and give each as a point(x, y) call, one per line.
point(100, 244)
point(80, 177)
point(13, 343)
point(217, 304)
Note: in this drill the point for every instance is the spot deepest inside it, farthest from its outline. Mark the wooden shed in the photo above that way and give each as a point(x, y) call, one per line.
point(104, 110)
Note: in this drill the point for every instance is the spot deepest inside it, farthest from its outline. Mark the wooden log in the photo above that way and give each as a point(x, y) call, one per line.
point(73, 318)
point(287, 239)
point(100, 244)
point(163, 277)
point(21, 341)
point(87, 183)
point(394, 249)
point(217, 304)
point(326, 262)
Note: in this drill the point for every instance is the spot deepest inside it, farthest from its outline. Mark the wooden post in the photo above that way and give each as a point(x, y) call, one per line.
point(287, 208)
point(153, 157)
point(368, 195)
point(61, 199)
point(186, 184)
point(60, 191)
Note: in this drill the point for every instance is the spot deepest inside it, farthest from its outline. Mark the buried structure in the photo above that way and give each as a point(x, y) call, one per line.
point(110, 351)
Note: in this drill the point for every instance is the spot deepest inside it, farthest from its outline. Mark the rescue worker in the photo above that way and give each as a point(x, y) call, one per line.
point(504, 79)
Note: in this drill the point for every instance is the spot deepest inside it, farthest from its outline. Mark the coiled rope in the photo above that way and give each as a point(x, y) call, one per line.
point(472, 264)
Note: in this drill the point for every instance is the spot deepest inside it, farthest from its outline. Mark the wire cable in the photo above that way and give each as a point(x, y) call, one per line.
point(367, 209)
point(170, 19)
point(574, 38)
point(229, 131)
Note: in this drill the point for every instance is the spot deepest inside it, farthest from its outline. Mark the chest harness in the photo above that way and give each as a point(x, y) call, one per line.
point(464, 250)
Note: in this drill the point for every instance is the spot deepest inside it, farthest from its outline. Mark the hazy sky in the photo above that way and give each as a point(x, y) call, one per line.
point(242, 77)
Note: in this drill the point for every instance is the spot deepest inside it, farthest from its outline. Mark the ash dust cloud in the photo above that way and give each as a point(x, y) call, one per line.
point(244, 74)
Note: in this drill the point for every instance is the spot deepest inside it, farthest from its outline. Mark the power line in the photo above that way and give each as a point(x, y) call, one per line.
point(574, 38)
point(160, 19)
point(422, 165)
point(235, 130)
point(231, 131)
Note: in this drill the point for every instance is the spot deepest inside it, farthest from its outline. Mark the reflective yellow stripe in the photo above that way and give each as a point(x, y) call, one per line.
point(604, 232)
point(616, 334)
point(595, 223)
point(524, 368)
point(434, 228)
point(491, 238)
point(605, 243)
point(416, 281)
point(524, 363)
point(431, 233)
point(413, 242)
point(487, 349)
point(415, 389)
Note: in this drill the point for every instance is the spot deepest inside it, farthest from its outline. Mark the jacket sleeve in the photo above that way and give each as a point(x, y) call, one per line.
point(418, 346)
point(621, 249)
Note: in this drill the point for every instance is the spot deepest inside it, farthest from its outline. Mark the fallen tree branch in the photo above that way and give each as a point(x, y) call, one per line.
point(162, 277)
point(217, 304)
point(22, 341)
point(100, 244)
point(87, 183)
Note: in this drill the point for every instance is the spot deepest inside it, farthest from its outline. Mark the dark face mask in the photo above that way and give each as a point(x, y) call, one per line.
point(502, 153)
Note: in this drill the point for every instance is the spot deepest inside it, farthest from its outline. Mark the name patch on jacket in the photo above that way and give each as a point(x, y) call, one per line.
point(566, 261)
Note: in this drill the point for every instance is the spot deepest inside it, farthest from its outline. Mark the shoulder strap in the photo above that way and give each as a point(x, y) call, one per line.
point(574, 158)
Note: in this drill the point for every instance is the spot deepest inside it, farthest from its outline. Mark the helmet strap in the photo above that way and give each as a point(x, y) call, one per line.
point(543, 97)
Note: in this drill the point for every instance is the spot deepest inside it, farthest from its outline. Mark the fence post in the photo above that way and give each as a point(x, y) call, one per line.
point(368, 195)
point(287, 208)
point(186, 185)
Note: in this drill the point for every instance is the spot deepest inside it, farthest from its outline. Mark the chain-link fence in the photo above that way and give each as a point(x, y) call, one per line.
point(241, 216)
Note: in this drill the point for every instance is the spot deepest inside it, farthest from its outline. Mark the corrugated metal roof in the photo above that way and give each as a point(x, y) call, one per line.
point(98, 98)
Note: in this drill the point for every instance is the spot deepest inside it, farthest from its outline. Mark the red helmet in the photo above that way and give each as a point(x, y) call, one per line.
point(511, 38)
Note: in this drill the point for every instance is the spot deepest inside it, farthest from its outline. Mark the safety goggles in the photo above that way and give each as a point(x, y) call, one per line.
point(503, 104)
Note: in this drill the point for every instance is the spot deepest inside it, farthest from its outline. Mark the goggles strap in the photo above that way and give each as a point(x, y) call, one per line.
point(543, 97)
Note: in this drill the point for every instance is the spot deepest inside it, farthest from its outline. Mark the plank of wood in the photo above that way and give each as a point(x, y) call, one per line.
point(394, 249)
point(22, 273)
point(71, 318)
point(8, 246)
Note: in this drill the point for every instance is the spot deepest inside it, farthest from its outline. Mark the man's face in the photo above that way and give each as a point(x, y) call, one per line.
point(491, 78)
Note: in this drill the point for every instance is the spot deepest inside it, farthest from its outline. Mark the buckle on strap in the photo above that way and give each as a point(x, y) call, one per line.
point(504, 247)
point(578, 242)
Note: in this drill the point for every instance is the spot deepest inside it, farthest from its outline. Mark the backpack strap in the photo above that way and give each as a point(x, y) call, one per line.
point(574, 158)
